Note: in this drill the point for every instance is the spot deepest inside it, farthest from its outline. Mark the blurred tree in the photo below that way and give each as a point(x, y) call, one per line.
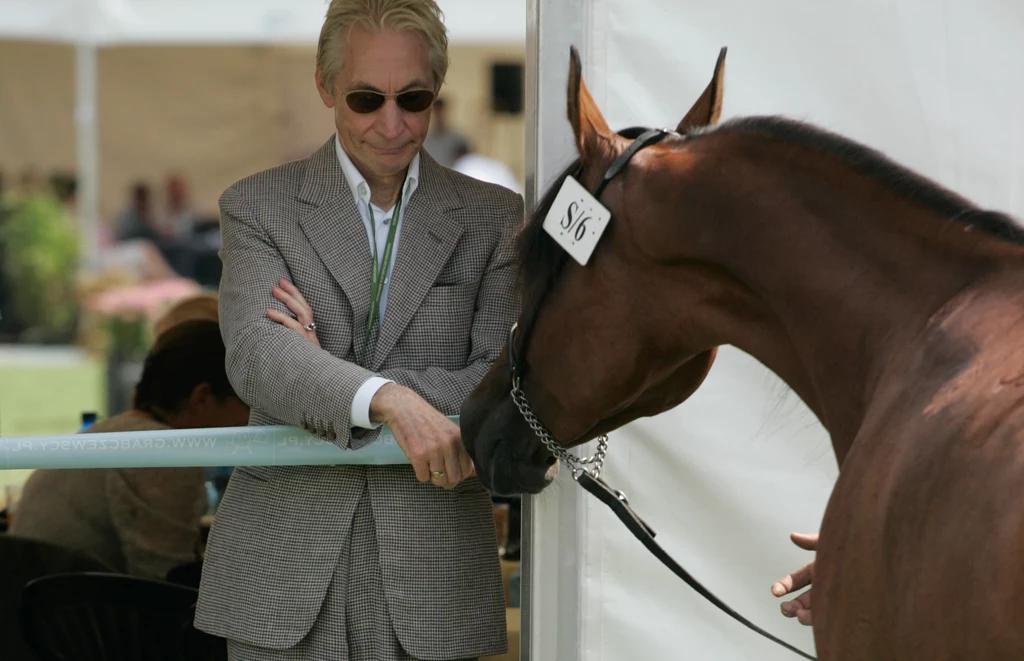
point(39, 250)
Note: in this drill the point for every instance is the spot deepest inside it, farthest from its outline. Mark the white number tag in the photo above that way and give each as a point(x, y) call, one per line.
point(576, 220)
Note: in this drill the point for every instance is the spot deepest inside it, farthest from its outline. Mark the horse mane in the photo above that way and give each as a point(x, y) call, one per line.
point(541, 260)
point(879, 167)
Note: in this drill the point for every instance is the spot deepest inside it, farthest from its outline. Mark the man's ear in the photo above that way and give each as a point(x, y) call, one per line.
point(326, 95)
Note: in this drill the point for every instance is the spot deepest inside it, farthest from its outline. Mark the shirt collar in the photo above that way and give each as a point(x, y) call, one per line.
point(357, 183)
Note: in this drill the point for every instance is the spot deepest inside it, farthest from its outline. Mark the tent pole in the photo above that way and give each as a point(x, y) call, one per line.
point(552, 590)
point(88, 155)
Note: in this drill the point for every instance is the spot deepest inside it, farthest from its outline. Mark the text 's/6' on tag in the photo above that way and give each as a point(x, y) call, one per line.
point(576, 220)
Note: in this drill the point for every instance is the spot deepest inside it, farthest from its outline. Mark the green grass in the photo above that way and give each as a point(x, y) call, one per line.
point(45, 391)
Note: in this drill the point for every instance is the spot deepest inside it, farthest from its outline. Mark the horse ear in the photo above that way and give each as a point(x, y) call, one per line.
point(588, 125)
point(708, 108)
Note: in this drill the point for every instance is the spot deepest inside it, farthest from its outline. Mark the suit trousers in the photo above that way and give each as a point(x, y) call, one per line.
point(354, 623)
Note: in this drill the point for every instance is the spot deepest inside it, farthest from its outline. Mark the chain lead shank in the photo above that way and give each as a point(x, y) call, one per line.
point(577, 464)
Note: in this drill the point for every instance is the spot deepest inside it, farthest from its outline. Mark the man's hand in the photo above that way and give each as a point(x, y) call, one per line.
point(431, 441)
point(302, 322)
point(800, 607)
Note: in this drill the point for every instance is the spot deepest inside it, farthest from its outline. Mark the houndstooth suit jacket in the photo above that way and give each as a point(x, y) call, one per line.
point(275, 544)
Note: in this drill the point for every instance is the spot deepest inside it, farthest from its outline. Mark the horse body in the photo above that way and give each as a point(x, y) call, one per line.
point(905, 342)
point(922, 548)
point(893, 308)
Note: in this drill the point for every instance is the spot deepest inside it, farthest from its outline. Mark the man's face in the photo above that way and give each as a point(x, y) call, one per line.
point(381, 143)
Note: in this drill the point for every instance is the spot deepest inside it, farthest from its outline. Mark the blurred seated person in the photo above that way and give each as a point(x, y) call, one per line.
point(138, 248)
point(197, 306)
point(142, 521)
point(137, 221)
point(179, 216)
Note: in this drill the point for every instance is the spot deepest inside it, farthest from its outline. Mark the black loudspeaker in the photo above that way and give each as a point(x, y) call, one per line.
point(507, 87)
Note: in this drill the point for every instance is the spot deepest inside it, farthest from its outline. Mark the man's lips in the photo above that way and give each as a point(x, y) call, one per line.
point(389, 150)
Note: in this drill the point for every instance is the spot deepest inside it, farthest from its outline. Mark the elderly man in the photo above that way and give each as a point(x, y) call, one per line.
point(408, 271)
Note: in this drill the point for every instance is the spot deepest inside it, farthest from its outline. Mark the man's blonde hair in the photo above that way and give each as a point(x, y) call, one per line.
point(422, 16)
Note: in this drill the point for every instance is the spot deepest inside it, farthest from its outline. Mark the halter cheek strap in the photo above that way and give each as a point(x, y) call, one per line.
point(513, 363)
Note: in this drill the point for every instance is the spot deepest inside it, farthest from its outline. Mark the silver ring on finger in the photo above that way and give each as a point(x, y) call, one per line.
point(311, 326)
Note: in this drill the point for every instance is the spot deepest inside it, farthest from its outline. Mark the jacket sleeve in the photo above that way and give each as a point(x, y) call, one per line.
point(271, 367)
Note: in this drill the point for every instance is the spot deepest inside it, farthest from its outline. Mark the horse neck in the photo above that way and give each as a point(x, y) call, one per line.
point(831, 276)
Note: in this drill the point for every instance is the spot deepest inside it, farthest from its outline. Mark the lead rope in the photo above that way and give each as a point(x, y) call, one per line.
point(619, 504)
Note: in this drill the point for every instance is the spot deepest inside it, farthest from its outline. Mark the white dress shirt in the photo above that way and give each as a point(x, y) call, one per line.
point(360, 415)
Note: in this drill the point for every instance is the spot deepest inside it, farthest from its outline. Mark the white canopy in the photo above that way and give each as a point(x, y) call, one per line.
point(111, 22)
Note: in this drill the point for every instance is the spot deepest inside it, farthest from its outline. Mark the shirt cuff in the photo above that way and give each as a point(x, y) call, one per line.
point(361, 402)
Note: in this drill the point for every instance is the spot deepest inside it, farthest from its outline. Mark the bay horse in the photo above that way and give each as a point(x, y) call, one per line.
point(893, 307)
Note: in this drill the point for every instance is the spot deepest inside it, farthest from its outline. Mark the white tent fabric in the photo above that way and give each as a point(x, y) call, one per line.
point(110, 22)
point(725, 477)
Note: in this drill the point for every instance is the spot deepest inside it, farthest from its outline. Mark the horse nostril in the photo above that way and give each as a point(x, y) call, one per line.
point(540, 456)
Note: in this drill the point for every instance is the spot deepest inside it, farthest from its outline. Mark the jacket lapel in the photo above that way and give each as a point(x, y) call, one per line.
point(336, 231)
point(428, 237)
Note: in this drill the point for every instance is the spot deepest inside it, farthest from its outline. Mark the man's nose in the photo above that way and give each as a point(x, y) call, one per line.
point(389, 119)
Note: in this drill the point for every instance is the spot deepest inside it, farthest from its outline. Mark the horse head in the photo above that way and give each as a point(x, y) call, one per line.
point(591, 352)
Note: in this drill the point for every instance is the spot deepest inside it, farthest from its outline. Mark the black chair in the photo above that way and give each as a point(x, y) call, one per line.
point(188, 574)
point(21, 561)
point(114, 617)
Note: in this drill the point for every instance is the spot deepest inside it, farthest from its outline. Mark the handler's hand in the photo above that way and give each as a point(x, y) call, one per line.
point(431, 441)
point(800, 607)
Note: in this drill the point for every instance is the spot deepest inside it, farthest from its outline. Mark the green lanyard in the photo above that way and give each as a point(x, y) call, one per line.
point(380, 267)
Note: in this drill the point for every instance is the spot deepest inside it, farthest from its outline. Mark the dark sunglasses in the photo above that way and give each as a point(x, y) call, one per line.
point(367, 101)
